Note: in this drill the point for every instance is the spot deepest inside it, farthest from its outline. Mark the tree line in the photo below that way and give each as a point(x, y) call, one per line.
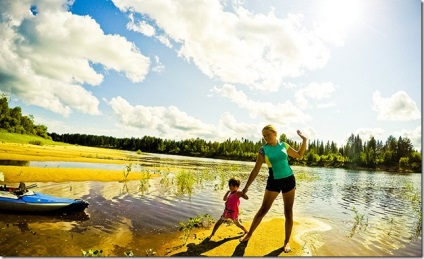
point(395, 154)
point(12, 120)
point(392, 155)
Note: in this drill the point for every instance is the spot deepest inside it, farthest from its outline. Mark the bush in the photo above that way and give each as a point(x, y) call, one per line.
point(403, 162)
point(36, 142)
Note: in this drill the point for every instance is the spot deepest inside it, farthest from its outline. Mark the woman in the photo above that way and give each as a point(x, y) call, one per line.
point(280, 179)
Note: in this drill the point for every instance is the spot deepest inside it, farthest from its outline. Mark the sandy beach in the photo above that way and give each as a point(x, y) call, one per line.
point(266, 241)
point(65, 153)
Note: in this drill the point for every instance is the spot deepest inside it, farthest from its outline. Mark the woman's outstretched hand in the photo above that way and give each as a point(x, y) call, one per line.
point(301, 134)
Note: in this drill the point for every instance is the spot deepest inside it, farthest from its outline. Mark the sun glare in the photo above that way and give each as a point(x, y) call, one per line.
point(336, 18)
point(344, 13)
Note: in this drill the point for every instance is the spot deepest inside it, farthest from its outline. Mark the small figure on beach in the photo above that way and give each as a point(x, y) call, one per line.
point(281, 179)
point(232, 203)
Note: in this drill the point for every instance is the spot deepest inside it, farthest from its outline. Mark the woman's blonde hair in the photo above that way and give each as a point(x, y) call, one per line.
point(270, 128)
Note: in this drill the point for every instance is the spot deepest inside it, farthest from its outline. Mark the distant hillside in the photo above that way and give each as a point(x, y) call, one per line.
point(26, 139)
point(12, 120)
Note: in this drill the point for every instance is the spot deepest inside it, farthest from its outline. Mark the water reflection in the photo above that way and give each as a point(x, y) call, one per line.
point(14, 162)
point(385, 218)
point(11, 218)
point(24, 234)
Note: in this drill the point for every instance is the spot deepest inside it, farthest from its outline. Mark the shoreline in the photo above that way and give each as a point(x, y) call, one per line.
point(266, 241)
point(69, 153)
point(16, 174)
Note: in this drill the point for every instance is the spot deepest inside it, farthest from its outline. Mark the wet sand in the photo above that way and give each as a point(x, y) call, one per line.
point(68, 153)
point(65, 153)
point(266, 241)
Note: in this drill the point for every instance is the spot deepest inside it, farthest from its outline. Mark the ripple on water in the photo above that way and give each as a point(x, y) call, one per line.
point(119, 210)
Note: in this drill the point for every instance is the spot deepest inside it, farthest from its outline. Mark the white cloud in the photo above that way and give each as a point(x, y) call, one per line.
point(414, 135)
point(171, 123)
point(46, 58)
point(165, 41)
point(158, 67)
point(398, 107)
point(147, 30)
point(229, 126)
point(280, 113)
point(326, 105)
point(142, 27)
point(242, 47)
point(309, 132)
point(236, 128)
point(165, 122)
point(315, 91)
point(381, 135)
point(366, 133)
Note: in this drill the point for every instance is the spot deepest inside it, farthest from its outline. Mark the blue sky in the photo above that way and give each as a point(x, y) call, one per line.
point(216, 69)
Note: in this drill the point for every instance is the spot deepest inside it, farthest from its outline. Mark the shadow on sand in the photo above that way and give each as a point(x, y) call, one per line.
point(207, 244)
point(276, 252)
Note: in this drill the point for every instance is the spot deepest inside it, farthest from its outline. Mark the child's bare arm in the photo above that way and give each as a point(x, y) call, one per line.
point(243, 195)
point(226, 195)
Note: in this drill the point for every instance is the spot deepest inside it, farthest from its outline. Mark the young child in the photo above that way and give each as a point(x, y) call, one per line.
point(232, 202)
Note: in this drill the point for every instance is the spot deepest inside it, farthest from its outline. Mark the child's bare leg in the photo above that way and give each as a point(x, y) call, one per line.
point(240, 225)
point(215, 228)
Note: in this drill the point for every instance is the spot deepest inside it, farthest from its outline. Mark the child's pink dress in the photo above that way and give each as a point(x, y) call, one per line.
point(231, 206)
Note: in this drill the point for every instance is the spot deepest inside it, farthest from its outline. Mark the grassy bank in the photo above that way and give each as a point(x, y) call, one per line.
point(8, 137)
point(33, 148)
point(17, 147)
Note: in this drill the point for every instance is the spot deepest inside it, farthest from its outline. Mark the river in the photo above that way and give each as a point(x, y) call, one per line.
point(370, 213)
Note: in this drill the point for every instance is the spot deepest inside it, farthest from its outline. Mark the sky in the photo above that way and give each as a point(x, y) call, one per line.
point(216, 70)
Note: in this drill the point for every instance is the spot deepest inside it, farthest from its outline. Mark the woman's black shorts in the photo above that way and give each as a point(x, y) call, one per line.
point(281, 185)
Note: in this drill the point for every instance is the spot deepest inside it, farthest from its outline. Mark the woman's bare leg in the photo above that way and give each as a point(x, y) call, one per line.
point(288, 199)
point(269, 198)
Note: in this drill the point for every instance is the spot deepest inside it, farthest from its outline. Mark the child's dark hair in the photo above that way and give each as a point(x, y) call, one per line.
point(234, 182)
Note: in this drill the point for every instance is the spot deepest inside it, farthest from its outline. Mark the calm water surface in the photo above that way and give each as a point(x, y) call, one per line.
point(370, 213)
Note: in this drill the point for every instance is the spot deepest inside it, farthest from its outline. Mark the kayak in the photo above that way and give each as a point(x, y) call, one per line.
point(23, 200)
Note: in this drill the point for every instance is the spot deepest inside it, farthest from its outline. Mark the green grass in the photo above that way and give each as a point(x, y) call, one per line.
point(25, 139)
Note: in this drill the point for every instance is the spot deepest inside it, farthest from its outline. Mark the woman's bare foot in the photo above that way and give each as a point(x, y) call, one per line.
point(245, 238)
point(287, 248)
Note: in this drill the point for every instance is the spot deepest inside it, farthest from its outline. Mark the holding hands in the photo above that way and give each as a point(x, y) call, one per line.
point(243, 195)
